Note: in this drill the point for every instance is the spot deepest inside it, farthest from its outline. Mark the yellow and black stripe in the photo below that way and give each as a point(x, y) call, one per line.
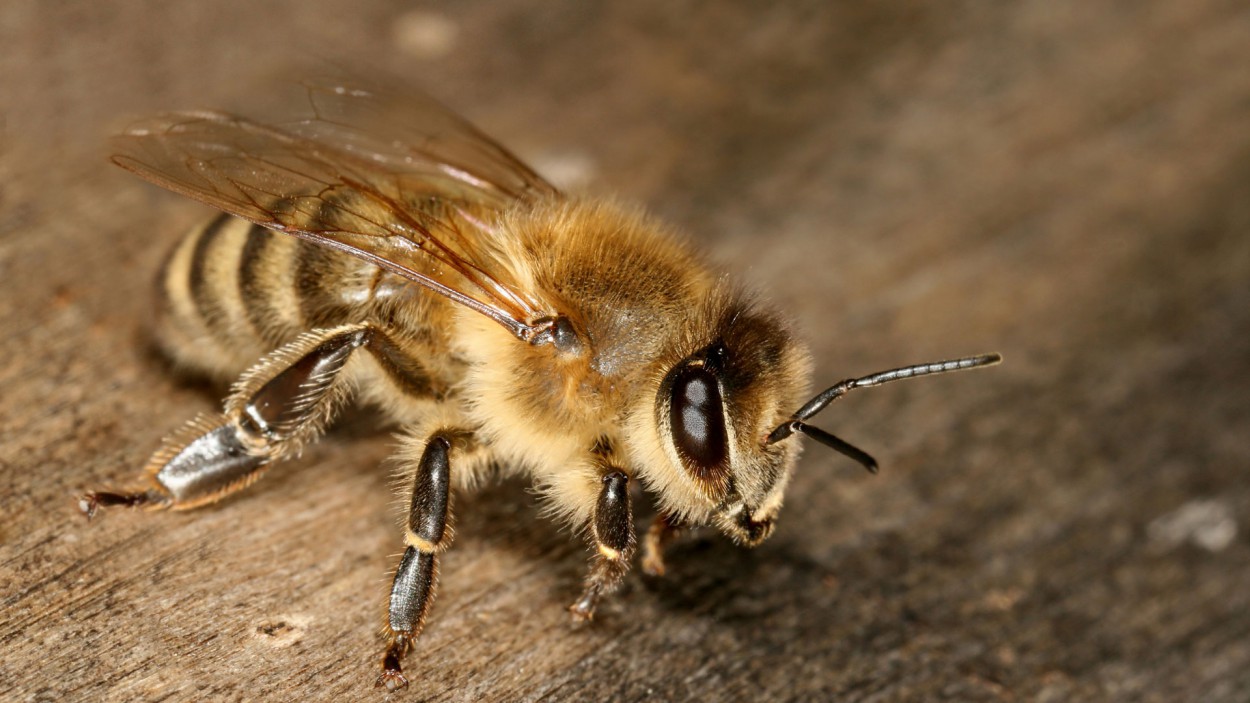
point(232, 291)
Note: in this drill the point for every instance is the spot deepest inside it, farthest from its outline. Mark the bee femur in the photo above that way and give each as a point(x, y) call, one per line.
point(824, 398)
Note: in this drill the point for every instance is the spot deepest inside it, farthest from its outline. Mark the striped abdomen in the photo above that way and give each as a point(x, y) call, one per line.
point(232, 291)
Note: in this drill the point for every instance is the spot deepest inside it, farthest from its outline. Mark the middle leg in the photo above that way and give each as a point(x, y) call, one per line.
point(426, 533)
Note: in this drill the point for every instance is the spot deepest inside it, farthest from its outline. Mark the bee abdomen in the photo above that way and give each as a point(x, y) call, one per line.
point(267, 275)
point(232, 291)
point(202, 320)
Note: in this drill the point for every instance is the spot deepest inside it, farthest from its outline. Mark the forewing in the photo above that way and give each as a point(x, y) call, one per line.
point(412, 132)
point(403, 210)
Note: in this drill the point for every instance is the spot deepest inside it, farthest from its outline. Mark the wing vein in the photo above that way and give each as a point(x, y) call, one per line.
point(403, 184)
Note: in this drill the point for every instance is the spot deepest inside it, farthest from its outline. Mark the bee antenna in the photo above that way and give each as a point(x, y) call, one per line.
point(826, 438)
point(824, 398)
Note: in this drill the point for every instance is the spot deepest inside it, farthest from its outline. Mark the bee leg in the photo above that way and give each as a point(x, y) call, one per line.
point(613, 532)
point(276, 407)
point(664, 529)
point(426, 534)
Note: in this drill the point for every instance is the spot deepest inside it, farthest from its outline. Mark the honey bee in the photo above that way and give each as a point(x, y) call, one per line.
point(382, 246)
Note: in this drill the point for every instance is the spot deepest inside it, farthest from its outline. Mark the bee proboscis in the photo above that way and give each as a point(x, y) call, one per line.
point(384, 246)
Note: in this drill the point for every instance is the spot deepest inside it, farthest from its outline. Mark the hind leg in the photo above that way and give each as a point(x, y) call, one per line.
point(277, 407)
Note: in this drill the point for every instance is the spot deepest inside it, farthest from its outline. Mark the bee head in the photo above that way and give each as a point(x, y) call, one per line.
point(722, 433)
point(718, 398)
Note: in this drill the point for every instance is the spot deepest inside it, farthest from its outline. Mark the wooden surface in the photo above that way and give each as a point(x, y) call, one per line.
point(1063, 181)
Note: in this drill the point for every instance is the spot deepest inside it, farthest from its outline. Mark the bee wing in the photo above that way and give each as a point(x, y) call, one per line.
point(417, 201)
point(411, 132)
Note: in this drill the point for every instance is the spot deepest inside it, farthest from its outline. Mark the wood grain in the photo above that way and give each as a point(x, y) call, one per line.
point(1062, 181)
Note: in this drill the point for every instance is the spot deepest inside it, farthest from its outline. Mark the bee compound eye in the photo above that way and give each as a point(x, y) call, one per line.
point(697, 420)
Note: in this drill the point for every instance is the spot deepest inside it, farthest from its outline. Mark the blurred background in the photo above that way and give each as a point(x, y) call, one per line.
point(1065, 182)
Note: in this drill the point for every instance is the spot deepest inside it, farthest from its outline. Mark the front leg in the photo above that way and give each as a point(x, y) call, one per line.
point(664, 529)
point(612, 531)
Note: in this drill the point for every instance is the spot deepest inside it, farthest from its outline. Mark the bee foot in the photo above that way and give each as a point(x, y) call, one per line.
point(392, 677)
point(391, 680)
point(584, 609)
point(653, 565)
point(90, 503)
